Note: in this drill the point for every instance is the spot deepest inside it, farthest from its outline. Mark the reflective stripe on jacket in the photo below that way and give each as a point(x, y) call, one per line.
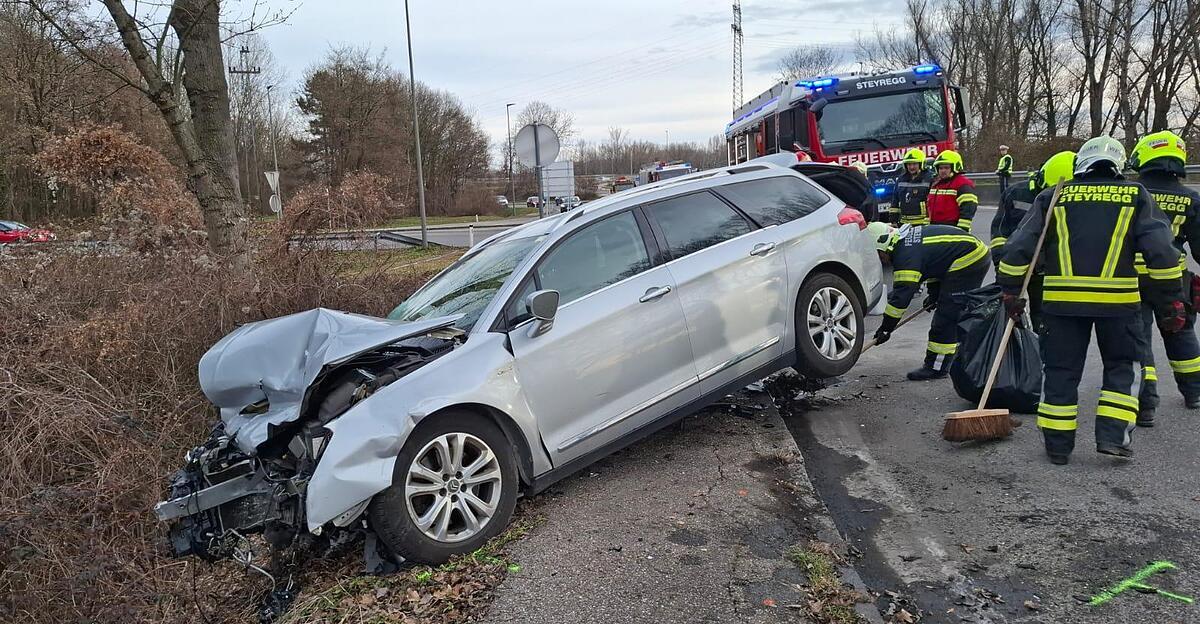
point(929, 252)
point(1099, 223)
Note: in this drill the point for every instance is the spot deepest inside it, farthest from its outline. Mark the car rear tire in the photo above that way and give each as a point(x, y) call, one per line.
point(454, 487)
point(829, 326)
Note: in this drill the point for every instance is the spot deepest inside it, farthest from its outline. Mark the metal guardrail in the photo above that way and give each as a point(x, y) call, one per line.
point(1021, 175)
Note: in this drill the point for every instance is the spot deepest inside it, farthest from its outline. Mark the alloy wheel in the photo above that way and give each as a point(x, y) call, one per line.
point(453, 487)
point(832, 325)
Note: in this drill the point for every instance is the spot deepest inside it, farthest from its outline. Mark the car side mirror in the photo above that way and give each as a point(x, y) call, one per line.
point(818, 105)
point(542, 306)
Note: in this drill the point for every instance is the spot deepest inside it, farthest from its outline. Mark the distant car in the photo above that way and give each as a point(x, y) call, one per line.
point(502, 201)
point(13, 232)
point(532, 201)
point(567, 203)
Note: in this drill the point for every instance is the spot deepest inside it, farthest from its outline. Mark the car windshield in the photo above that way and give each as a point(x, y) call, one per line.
point(12, 225)
point(468, 286)
point(883, 121)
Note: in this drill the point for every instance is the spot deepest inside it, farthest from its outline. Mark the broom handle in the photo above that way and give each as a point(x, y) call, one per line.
point(870, 343)
point(1008, 327)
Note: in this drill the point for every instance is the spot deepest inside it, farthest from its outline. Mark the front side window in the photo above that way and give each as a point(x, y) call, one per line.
point(883, 121)
point(598, 255)
point(774, 201)
point(697, 221)
point(469, 285)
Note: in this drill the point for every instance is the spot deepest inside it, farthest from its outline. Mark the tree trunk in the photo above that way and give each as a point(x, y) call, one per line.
point(214, 178)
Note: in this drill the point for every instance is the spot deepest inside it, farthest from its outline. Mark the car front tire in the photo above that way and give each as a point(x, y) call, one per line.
point(454, 487)
point(829, 326)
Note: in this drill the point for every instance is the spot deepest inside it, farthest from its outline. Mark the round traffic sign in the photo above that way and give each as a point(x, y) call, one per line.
point(536, 145)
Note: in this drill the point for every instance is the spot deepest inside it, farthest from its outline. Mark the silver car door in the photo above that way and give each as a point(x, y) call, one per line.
point(732, 280)
point(617, 355)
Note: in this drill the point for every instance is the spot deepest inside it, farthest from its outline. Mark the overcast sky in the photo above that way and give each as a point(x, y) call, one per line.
point(649, 66)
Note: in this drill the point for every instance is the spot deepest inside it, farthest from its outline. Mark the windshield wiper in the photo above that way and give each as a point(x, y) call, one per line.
point(921, 133)
point(860, 140)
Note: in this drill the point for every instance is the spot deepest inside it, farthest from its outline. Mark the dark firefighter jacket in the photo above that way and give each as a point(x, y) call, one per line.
point(926, 253)
point(1013, 205)
point(1098, 224)
point(1181, 205)
point(1005, 166)
point(952, 202)
point(909, 197)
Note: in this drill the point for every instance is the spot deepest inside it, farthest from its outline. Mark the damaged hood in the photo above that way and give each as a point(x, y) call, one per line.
point(278, 359)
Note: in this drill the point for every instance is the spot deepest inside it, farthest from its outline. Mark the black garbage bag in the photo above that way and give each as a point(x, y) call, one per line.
point(1018, 384)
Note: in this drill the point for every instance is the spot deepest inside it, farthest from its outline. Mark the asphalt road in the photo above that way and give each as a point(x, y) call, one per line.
point(972, 532)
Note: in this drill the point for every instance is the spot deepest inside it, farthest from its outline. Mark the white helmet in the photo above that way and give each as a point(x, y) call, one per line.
point(1100, 149)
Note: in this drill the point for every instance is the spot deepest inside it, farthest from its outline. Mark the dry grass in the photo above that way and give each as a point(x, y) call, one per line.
point(829, 600)
point(99, 401)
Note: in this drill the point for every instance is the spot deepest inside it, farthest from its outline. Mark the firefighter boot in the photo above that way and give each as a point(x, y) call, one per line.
point(1147, 398)
point(925, 374)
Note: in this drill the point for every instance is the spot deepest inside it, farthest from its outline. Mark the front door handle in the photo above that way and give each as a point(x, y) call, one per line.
point(654, 293)
point(762, 249)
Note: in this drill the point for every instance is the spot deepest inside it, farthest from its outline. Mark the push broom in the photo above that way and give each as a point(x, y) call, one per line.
point(993, 424)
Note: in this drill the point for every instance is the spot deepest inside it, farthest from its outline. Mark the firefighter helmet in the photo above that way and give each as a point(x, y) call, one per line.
point(1060, 166)
point(860, 166)
point(1097, 150)
point(883, 235)
point(914, 156)
point(949, 157)
point(1165, 144)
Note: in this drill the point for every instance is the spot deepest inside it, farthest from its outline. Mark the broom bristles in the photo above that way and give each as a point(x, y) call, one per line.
point(977, 425)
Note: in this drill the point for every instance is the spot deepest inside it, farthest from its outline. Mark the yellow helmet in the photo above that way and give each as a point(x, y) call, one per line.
point(1165, 144)
point(949, 157)
point(1059, 166)
point(914, 156)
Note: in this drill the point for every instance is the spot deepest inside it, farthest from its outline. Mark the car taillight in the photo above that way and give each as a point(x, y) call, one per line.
point(849, 215)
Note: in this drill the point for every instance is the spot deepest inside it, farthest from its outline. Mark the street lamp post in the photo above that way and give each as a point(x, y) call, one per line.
point(508, 150)
point(412, 83)
point(668, 141)
point(271, 124)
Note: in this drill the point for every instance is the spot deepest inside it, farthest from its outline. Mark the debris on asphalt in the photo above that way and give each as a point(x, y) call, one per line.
point(1033, 605)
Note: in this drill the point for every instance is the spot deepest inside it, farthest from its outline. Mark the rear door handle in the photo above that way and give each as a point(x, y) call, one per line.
point(654, 293)
point(762, 249)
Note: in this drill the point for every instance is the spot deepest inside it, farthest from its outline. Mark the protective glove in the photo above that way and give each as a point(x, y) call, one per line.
point(1014, 305)
point(1196, 292)
point(1171, 318)
point(885, 329)
point(934, 291)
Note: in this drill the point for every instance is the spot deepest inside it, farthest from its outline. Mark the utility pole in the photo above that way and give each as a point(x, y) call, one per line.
point(243, 106)
point(738, 37)
point(508, 150)
point(412, 82)
point(668, 148)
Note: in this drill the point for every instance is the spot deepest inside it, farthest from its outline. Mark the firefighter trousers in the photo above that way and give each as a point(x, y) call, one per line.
point(1064, 342)
point(943, 329)
point(1183, 354)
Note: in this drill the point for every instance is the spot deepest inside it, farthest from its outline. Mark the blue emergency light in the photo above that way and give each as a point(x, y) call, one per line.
point(821, 83)
point(804, 83)
point(880, 190)
point(926, 69)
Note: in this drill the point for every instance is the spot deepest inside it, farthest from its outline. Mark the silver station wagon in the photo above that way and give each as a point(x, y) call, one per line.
point(543, 349)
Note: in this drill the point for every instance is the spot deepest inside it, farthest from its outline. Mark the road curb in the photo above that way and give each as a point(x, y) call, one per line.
point(805, 491)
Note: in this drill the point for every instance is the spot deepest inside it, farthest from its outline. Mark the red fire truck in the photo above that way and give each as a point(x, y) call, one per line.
point(873, 118)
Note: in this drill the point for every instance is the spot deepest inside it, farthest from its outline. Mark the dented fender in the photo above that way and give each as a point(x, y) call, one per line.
point(360, 457)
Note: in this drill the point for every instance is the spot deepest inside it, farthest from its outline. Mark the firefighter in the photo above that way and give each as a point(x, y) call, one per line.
point(1098, 223)
point(1013, 207)
point(1159, 160)
point(908, 198)
point(952, 199)
point(870, 205)
point(1004, 168)
point(949, 262)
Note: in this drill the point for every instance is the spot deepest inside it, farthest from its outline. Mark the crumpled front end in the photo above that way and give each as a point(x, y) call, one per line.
point(280, 384)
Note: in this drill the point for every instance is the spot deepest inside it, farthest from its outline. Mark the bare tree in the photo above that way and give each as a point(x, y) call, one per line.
point(808, 61)
point(559, 120)
point(181, 70)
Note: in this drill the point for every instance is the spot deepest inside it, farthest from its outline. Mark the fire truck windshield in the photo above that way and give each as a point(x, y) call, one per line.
point(882, 121)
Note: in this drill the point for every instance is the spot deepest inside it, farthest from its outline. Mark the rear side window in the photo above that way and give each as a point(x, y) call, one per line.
point(697, 221)
point(773, 201)
point(596, 256)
